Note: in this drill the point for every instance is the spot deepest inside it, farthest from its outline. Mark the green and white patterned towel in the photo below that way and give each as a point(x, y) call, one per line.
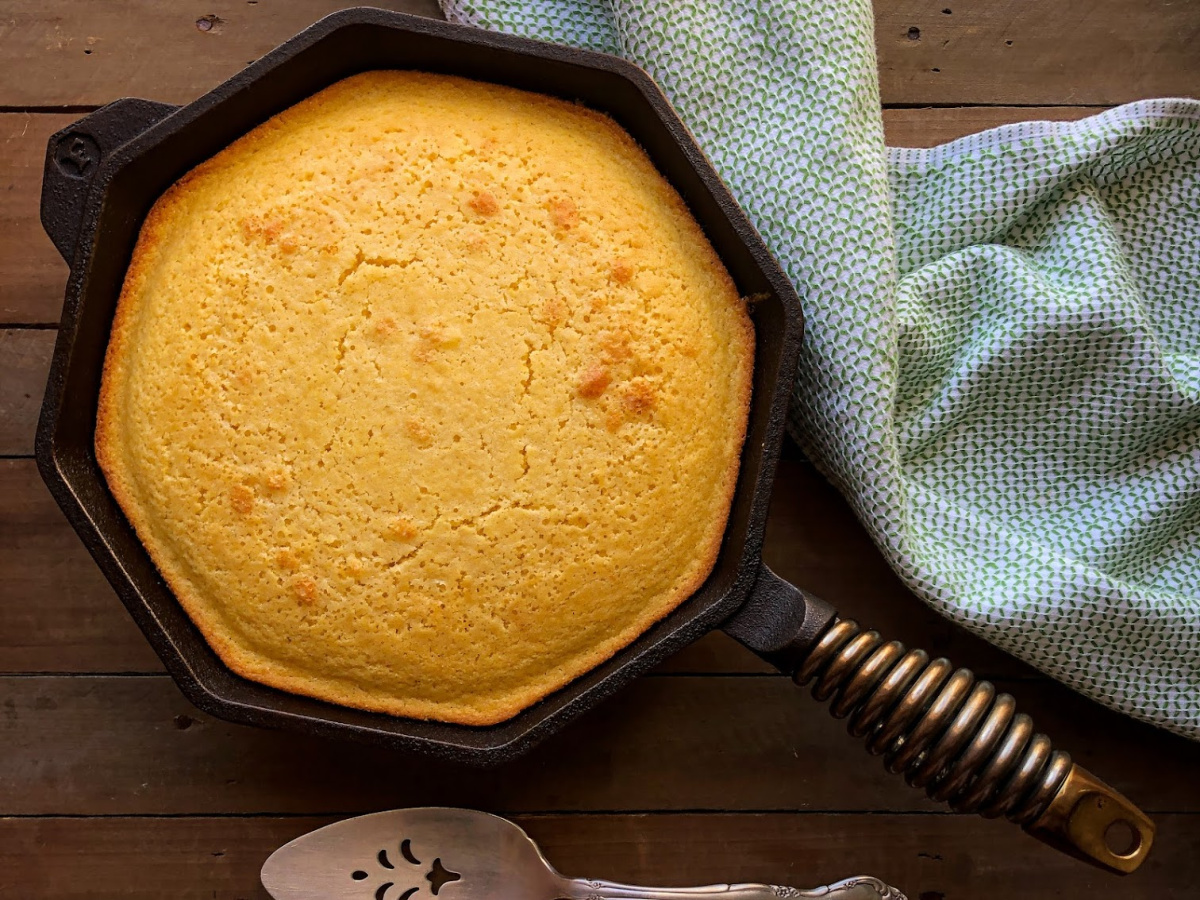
point(1001, 370)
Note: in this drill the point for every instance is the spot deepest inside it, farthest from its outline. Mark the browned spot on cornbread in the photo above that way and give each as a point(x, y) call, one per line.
point(554, 312)
point(286, 559)
point(419, 431)
point(267, 229)
point(622, 271)
point(431, 338)
point(564, 213)
point(614, 418)
point(484, 203)
point(639, 397)
point(617, 344)
point(241, 498)
point(594, 381)
point(305, 590)
point(402, 528)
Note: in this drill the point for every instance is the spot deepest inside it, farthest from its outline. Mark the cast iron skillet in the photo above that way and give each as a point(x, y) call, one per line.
point(947, 732)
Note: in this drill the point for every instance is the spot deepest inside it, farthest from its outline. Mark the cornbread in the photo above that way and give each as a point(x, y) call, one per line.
point(426, 396)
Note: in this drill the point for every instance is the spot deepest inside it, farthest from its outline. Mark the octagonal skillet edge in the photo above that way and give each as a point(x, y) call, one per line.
point(104, 172)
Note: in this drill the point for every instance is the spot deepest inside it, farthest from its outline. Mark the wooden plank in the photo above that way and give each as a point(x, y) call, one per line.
point(94, 53)
point(132, 745)
point(24, 365)
point(928, 127)
point(930, 857)
point(664, 743)
point(1016, 52)
point(32, 274)
point(1095, 52)
point(57, 613)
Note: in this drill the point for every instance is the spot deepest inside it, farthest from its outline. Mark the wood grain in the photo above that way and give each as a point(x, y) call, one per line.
point(930, 126)
point(62, 53)
point(95, 745)
point(33, 275)
point(1095, 52)
point(116, 787)
point(24, 364)
point(931, 857)
point(58, 614)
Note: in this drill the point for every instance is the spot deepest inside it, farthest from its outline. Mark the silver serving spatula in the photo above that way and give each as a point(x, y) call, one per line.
point(462, 854)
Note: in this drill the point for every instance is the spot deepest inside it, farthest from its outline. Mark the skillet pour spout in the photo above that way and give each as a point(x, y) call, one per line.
point(941, 728)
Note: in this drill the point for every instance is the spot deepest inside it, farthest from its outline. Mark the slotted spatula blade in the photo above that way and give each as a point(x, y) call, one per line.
point(460, 854)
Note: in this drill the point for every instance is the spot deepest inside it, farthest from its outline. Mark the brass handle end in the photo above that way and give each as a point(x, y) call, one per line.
point(1095, 823)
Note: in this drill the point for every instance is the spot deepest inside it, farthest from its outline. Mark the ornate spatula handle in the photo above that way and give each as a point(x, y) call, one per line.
point(858, 888)
point(471, 855)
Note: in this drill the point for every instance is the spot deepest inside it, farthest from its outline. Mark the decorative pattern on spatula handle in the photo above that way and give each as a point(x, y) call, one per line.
point(860, 887)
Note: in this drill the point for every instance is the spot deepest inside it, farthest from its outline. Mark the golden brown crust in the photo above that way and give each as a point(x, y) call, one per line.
point(618, 385)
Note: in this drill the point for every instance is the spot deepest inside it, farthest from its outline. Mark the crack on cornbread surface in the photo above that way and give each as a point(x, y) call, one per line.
point(426, 396)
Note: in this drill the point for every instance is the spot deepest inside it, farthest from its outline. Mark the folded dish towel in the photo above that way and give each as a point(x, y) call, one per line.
point(1001, 370)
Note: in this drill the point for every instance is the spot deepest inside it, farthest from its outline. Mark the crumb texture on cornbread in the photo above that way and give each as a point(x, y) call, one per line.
point(426, 396)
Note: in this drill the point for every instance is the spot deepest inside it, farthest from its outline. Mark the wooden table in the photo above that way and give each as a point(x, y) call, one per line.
point(710, 769)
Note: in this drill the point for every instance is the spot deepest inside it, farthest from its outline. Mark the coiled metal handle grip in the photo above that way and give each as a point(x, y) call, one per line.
point(966, 745)
point(942, 729)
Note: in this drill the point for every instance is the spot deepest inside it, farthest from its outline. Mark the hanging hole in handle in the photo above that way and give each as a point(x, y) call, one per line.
point(1090, 820)
point(1122, 838)
point(1103, 825)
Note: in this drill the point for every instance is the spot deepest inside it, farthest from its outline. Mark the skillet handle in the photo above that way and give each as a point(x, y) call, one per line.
point(74, 155)
point(779, 621)
point(941, 728)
